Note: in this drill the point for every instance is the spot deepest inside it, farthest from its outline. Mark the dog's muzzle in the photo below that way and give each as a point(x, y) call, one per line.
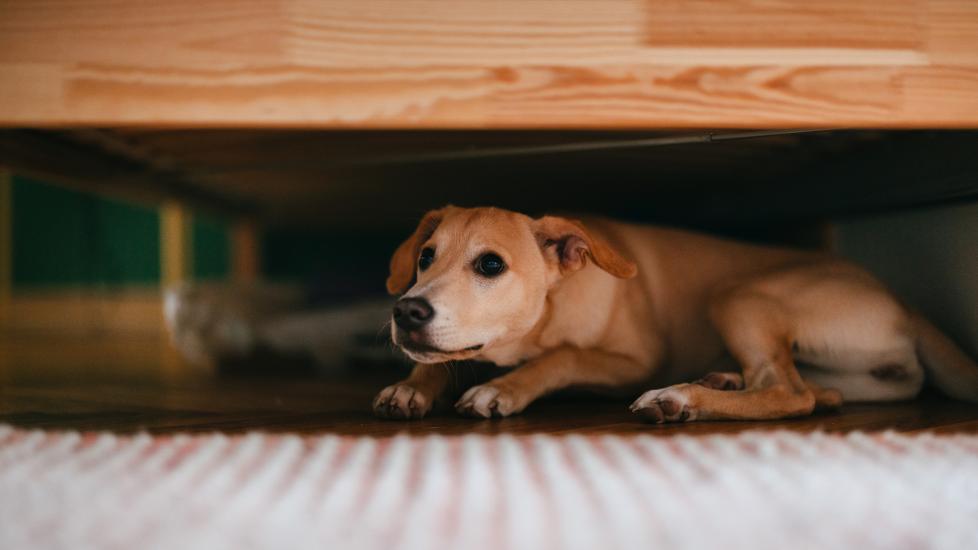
point(411, 314)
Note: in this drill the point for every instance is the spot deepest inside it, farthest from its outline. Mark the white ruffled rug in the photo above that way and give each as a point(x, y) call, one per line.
point(757, 490)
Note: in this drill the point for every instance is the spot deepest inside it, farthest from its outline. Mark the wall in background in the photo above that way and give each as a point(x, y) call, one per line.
point(337, 266)
point(929, 257)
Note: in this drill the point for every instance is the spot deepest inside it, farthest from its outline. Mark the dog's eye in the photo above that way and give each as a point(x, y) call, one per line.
point(426, 258)
point(490, 265)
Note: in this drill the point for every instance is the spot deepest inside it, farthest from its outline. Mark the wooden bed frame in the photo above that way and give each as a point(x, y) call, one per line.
point(490, 64)
point(120, 93)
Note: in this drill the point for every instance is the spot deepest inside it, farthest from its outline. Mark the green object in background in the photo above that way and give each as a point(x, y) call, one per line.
point(211, 249)
point(67, 238)
point(63, 237)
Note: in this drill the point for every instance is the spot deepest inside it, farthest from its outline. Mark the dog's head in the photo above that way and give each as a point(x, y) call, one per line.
point(481, 278)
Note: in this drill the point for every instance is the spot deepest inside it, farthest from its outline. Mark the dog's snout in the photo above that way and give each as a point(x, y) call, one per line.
point(412, 313)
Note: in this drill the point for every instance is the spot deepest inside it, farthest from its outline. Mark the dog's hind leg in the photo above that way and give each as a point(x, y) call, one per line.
point(733, 381)
point(728, 381)
point(756, 331)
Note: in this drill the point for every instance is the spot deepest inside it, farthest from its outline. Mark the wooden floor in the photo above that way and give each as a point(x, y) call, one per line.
point(134, 384)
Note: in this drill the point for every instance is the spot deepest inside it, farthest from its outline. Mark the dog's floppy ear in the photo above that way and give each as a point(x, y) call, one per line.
point(405, 258)
point(571, 244)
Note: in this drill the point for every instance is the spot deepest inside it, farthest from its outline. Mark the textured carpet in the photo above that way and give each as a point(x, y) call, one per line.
point(756, 490)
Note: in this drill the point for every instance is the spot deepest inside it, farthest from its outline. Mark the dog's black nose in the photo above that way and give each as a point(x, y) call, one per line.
point(412, 313)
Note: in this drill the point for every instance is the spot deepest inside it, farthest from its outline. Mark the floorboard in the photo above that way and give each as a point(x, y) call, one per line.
point(136, 384)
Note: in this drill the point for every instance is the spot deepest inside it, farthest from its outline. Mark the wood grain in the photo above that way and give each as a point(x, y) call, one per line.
point(176, 244)
point(490, 64)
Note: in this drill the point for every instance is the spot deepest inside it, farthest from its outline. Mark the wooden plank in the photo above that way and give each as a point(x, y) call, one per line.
point(490, 64)
point(176, 245)
point(861, 26)
point(84, 313)
point(46, 391)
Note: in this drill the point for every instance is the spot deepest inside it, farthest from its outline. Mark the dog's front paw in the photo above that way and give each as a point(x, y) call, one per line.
point(402, 402)
point(671, 404)
point(488, 400)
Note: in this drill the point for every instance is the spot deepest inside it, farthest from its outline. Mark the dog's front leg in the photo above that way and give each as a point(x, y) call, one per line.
point(555, 370)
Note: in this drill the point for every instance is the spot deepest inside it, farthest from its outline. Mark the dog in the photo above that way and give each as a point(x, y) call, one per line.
point(721, 329)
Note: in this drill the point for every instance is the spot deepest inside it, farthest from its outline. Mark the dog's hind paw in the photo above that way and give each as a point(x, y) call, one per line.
point(671, 404)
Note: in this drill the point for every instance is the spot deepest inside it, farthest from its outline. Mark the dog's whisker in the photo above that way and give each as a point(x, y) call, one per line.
point(449, 372)
point(384, 328)
point(455, 374)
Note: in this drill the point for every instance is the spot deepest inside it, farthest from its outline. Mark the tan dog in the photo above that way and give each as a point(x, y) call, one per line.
point(559, 299)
